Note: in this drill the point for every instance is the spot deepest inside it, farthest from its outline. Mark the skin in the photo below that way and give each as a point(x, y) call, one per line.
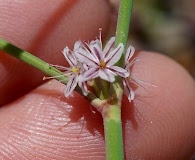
point(37, 121)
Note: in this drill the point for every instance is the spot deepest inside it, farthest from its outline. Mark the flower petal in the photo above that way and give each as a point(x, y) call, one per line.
point(83, 87)
point(120, 71)
point(97, 41)
point(71, 59)
point(109, 46)
point(128, 91)
point(114, 56)
point(77, 45)
point(70, 85)
point(129, 53)
point(86, 57)
point(107, 75)
point(90, 74)
point(96, 52)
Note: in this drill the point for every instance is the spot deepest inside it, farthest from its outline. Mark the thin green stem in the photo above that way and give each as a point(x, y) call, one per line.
point(32, 60)
point(123, 22)
point(122, 30)
point(112, 118)
point(113, 133)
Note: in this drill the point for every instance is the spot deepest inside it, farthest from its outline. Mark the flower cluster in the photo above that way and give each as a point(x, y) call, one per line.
point(90, 60)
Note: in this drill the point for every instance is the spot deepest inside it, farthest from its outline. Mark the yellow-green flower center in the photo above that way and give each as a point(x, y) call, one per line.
point(102, 64)
point(75, 70)
point(128, 78)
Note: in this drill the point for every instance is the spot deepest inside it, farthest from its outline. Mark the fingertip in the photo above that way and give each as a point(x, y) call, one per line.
point(44, 123)
point(44, 28)
point(160, 121)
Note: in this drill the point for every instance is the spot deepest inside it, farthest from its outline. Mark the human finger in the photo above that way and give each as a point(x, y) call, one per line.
point(44, 28)
point(157, 125)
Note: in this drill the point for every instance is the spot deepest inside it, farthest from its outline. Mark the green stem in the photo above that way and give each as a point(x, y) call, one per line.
point(123, 22)
point(112, 118)
point(38, 63)
point(113, 133)
point(32, 60)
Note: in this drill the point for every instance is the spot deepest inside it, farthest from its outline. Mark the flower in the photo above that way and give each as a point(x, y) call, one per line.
point(128, 91)
point(75, 70)
point(90, 60)
point(101, 61)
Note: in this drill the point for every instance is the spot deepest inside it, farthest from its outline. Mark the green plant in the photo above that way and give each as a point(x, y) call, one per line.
point(91, 64)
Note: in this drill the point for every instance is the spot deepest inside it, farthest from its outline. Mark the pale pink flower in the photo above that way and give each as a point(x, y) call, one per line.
point(75, 70)
point(101, 61)
point(128, 91)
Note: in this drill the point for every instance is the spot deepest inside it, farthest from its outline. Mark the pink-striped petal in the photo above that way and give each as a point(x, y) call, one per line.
point(77, 45)
point(97, 41)
point(69, 57)
point(109, 46)
point(120, 71)
point(90, 74)
point(128, 91)
point(114, 56)
point(96, 52)
point(66, 53)
point(129, 53)
point(84, 89)
point(70, 86)
point(86, 57)
point(107, 75)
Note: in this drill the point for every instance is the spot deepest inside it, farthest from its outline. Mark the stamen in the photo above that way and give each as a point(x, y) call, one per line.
point(45, 78)
point(100, 36)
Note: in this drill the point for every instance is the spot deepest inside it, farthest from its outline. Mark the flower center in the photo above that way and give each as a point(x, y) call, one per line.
point(102, 64)
point(75, 70)
point(128, 78)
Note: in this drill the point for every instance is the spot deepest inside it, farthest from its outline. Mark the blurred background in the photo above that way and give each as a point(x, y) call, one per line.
point(165, 26)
